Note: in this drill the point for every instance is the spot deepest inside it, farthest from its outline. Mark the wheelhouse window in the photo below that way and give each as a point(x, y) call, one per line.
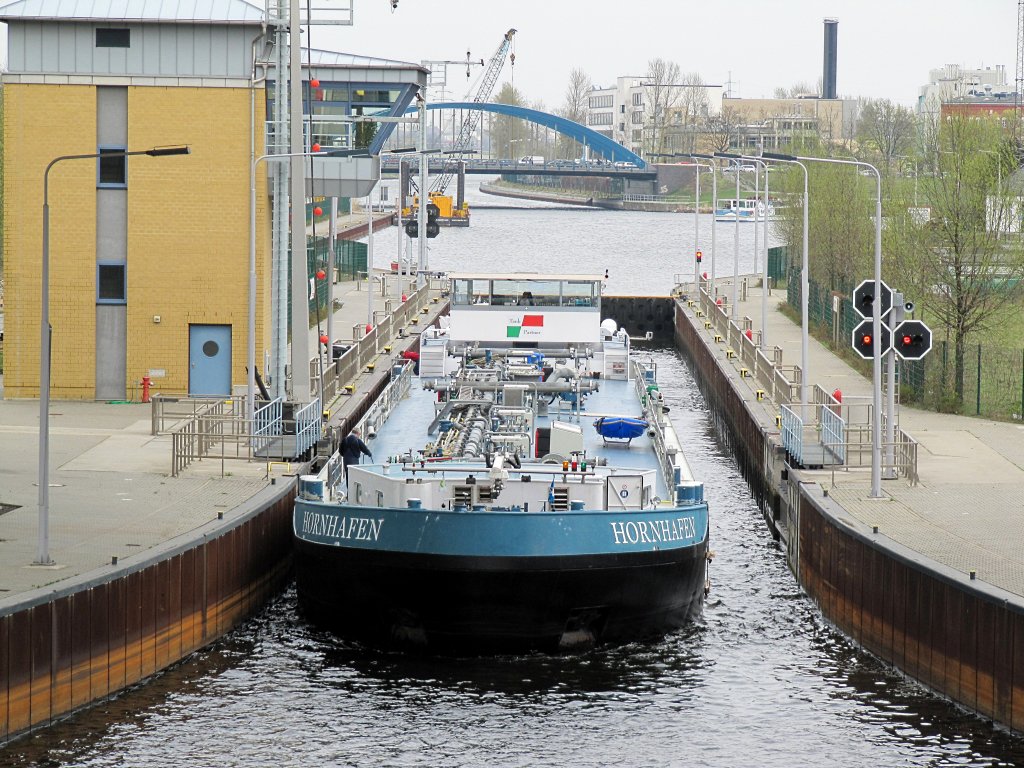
point(112, 167)
point(107, 37)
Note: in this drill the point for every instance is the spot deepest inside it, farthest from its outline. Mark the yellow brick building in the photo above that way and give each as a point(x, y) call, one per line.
point(142, 250)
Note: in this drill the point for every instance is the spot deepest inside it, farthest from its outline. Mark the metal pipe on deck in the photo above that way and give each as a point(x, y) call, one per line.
point(440, 385)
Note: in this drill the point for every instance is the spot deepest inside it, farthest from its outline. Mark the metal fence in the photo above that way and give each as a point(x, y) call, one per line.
point(993, 377)
point(218, 428)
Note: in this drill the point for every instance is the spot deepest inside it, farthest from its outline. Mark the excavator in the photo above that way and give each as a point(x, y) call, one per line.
point(448, 212)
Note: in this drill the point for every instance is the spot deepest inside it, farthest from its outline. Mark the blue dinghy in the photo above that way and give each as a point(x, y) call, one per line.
point(620, 427)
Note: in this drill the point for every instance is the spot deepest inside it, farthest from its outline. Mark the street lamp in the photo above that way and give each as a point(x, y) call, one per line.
point(696, 213)
point(876, 328)
point(714, 202)
point(42, 552)
point(736, 233)
point(764, 265)
point(804, 288)
point(251, 342)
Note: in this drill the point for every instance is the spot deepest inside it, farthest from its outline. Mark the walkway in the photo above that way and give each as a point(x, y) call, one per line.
point(111, 492)
point(966, 513)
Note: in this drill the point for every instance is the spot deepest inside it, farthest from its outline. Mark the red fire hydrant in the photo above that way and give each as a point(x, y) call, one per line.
point(146, 381)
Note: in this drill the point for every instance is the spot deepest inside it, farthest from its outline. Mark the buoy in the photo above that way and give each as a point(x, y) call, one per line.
point(318, 211)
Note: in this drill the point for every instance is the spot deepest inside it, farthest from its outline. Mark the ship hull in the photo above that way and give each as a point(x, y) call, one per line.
point(479, 603)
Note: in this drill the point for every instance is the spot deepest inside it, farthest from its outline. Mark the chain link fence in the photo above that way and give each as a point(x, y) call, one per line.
point(993, 377)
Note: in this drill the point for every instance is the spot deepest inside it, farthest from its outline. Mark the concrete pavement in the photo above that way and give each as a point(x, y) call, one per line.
point(967, 511)
point(111, 492)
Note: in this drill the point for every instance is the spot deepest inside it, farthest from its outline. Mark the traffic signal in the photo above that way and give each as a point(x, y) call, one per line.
point(433, 228)
point(412, 226)
point(912, 339)
point(699, 256)
point(864, 340)
point(864, 299)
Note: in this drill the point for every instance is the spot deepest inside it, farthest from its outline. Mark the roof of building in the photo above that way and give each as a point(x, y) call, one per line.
point(199, 11)
point(322, 58)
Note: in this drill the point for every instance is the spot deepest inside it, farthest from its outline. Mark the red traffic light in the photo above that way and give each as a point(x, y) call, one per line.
point(913, 339)
point(864, 342)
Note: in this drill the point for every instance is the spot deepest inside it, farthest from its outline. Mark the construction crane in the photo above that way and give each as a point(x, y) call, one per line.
point(460, 149)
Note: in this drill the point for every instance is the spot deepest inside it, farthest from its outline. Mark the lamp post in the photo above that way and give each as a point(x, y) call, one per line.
point(804, 357)
point(876, 327)
point(736, 236)
point(250, 359)
point(764, 261)
point(696, 220)
point(714, 202)
point(43, 543)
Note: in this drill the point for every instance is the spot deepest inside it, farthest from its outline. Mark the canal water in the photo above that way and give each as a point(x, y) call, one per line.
point(759, 679)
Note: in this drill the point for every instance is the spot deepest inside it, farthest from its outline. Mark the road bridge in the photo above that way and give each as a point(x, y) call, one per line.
point(389, 165)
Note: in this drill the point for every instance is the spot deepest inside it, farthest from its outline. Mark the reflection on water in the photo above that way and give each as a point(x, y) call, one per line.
point(758, 679)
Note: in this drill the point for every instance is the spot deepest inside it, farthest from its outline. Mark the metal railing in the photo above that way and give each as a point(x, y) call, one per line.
point(218, 428)
point(309, 425)
point(170, 411)
point(792, 432)
point(366, 346)
point(833, 432)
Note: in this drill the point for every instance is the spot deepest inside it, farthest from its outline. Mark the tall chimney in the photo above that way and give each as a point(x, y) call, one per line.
point(828, 75)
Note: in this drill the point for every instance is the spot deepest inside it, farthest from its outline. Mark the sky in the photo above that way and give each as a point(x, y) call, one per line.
point(885, 49)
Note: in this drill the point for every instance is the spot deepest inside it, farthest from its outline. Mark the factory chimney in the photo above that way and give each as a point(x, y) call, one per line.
point(828, 75)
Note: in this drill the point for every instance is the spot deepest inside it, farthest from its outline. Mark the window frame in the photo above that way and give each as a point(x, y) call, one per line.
point(111, 149)
point(113, 40)
point(124, 282)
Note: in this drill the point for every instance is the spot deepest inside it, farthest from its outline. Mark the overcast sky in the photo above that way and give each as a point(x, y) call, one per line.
point(886, 47)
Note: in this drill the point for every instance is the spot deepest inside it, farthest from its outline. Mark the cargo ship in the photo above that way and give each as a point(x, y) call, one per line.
point(527, 492)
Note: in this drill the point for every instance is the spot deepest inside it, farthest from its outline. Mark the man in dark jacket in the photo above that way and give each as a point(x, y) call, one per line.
point(351, 447)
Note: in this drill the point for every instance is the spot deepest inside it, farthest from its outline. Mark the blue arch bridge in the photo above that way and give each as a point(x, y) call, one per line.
point(605, 157)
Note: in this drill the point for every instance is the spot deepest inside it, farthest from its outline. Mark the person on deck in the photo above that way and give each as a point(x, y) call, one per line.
point(351, 447)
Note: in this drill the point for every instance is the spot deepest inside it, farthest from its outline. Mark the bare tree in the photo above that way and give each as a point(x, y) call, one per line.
point(507, 133)
point(797, 90)
point(577, 95)
point(691, 114)
point(661, 92)
point(721, 129)
point(889, 127)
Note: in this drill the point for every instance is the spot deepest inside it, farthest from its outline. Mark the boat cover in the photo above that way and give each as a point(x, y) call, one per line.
point(620, 427)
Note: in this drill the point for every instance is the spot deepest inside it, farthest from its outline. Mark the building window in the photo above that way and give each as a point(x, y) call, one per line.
point(111, 285)
point(638, 99)
point(113, 38)
point(112, 167)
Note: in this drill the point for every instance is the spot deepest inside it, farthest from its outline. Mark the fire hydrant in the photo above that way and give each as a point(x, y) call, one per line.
point(146, 381)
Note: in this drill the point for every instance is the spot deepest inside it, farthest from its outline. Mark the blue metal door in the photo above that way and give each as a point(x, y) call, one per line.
point(209, 360)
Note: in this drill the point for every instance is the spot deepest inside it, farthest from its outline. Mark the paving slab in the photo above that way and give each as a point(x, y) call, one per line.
point(967, 510)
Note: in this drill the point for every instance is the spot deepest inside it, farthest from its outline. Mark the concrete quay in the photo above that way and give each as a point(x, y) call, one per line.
point(148, 567)
point(930, 577)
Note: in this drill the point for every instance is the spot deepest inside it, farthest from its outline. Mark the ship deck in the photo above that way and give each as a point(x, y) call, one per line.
point(406, 429)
